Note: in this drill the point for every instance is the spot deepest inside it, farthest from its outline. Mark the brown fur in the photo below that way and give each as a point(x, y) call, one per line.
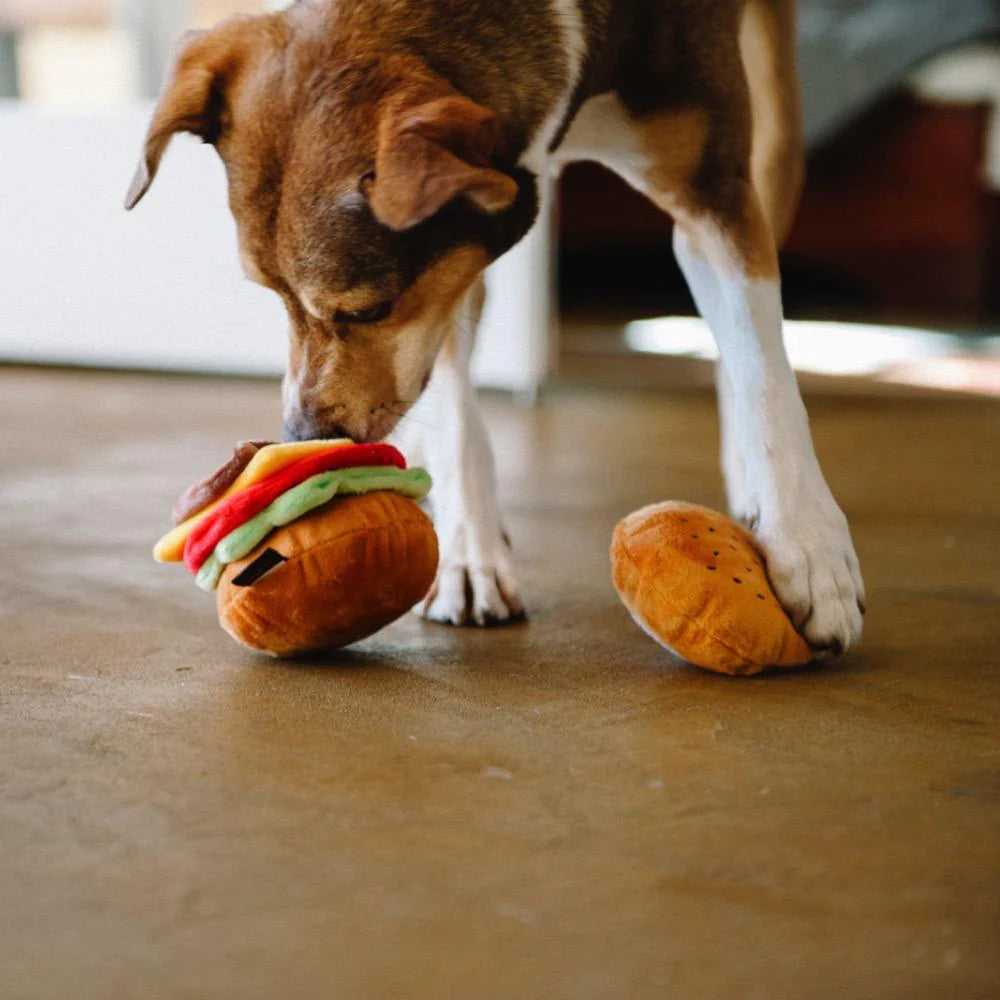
point(706, 160)
point(768, 43)
point(433, 152)
point(355, 381)
point(370, 145)
point(675, 143)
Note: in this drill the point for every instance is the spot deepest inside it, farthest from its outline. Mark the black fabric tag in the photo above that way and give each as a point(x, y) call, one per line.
point(261, 566)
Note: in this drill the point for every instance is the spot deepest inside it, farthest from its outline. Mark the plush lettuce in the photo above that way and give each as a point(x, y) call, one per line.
point(307, 496)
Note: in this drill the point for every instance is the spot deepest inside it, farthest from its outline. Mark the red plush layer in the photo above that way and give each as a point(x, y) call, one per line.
point(248, 503)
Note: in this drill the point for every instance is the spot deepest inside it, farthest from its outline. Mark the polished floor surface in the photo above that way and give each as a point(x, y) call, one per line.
point(557, 809)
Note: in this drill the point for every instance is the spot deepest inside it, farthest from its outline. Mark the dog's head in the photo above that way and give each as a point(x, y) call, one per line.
point(367, 194)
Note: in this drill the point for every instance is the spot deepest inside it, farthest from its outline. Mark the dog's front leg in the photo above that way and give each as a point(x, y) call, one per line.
point(733, 473)
point(475, 585)
point(774, 480)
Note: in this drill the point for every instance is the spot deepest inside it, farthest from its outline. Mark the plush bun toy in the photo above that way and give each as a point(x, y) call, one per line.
point(695, 581)
point(312, 545)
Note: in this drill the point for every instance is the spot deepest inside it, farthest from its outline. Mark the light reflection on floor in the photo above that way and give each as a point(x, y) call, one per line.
point(907, 355)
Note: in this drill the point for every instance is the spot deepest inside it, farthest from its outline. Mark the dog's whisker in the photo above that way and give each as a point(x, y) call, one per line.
point(409, 417)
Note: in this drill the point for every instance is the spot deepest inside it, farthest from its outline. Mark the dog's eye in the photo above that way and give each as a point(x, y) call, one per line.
point(373, 315)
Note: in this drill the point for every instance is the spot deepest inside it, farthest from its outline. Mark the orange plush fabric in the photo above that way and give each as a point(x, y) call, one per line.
point(695, 581)
point(340, 573)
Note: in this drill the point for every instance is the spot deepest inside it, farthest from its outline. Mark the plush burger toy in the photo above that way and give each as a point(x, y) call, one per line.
point(311, 545)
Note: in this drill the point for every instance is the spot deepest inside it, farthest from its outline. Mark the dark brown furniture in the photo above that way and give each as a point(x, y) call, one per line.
point(896, 223)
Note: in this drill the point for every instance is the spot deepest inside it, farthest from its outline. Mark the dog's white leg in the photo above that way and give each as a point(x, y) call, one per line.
point(781, 494)
point(695, 165)
point(475, 584)
point(733, 473)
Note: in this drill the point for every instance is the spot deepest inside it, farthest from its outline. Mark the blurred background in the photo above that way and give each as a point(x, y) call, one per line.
point(893, 266)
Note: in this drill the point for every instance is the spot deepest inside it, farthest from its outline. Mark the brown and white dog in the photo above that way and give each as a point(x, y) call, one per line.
point(381, 153)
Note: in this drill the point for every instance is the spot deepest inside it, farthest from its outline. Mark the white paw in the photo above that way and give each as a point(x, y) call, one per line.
point(815, 573)
point(474, 585)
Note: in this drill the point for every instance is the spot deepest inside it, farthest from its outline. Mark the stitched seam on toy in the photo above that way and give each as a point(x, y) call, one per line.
point(378, 529)
point(694, 621)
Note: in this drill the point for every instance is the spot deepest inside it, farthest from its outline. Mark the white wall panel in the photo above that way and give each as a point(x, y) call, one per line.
point(84, 282)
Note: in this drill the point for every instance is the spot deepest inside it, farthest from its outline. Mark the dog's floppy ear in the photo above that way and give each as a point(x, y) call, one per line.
point(192, 100)
point(433, 152)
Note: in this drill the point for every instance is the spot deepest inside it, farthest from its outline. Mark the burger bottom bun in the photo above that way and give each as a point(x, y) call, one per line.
point(337, 575)
point(696, 582)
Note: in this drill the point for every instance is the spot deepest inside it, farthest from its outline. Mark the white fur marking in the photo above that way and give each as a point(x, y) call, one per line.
point(449, 434)
point(602, 132)
point(410, 362)
point(569, 21)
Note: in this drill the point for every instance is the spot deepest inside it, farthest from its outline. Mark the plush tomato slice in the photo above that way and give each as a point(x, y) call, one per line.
point(240, 507)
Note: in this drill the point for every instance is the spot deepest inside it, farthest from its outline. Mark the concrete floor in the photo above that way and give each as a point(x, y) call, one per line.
point(552, 810)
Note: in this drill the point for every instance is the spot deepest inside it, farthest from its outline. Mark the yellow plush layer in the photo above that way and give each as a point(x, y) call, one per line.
point(269, 460)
